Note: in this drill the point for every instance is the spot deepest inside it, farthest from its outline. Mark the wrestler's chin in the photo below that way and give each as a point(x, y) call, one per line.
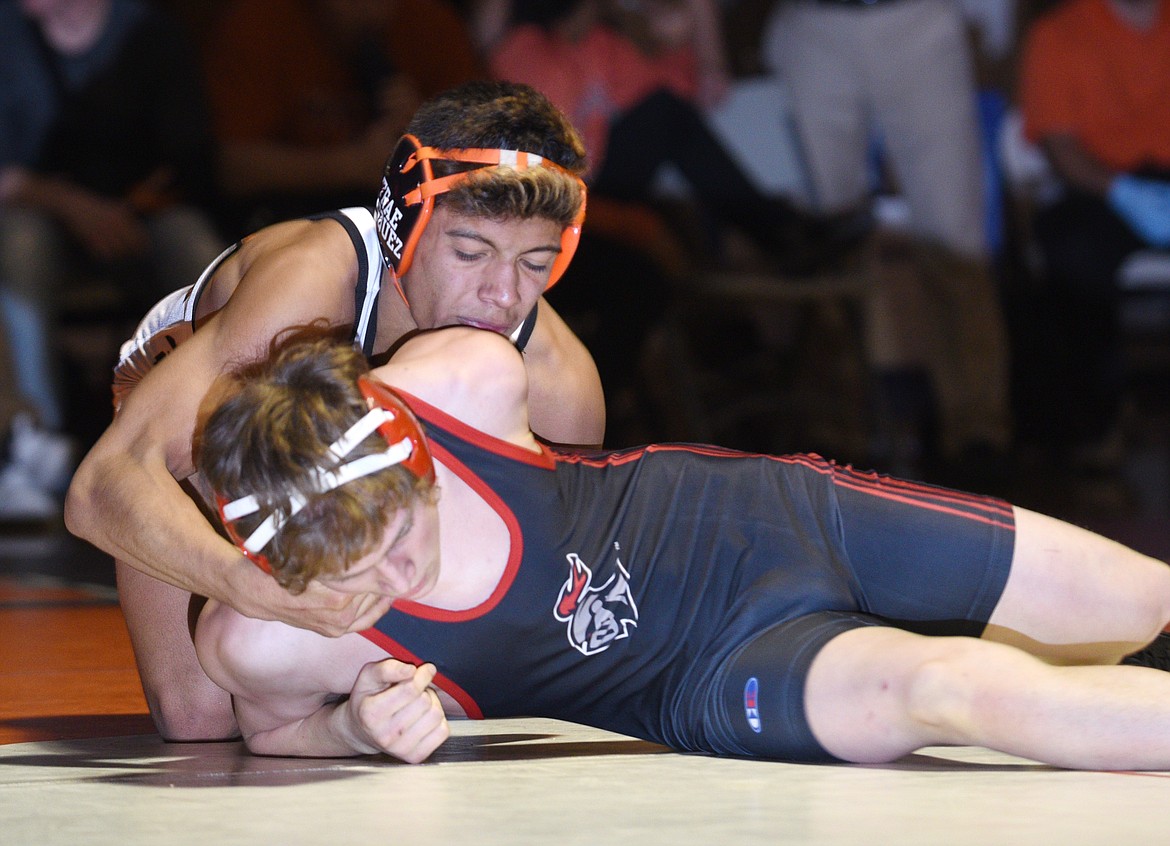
point(418, 588)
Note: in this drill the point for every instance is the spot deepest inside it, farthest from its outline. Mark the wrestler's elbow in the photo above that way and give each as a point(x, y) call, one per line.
point(83, 500)
point(94, 503)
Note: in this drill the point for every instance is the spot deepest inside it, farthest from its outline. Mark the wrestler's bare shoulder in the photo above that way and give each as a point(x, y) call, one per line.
point(565, 398)
point(287, 256)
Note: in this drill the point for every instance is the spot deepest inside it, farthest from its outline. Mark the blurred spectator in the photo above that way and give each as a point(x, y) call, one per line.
point(993, 27)
point(1095, 95)
point(631, 80)
point(105, 149)
point(683, 37)
point(34, 464)
point(573, 51)
point(684, 34)
point(898, 73)
point(638, 111)
point(309, 96)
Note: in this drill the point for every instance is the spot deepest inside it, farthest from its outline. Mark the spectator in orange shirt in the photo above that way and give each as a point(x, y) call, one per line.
point(1095, 95)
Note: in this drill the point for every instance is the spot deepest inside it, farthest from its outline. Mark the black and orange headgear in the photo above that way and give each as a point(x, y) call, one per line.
point(409, 187)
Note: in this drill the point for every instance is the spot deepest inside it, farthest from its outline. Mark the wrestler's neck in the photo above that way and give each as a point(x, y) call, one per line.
point(72, 26)
point(475, 544)
point(395, 322)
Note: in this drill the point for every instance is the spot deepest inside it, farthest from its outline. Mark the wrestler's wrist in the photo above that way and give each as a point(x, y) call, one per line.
point(248, 590)
point(348, 729)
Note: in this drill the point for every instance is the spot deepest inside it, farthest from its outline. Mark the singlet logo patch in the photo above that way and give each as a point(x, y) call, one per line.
point(596, 615)
point(751, 704)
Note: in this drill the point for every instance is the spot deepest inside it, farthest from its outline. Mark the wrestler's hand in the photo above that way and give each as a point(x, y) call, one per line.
point(319, 609)
point(333, 613)
point(392, 709)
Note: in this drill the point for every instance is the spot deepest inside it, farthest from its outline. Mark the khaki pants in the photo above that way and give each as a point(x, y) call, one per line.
point(902, 69)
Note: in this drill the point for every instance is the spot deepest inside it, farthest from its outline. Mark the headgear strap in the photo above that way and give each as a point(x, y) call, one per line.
point(388, 415)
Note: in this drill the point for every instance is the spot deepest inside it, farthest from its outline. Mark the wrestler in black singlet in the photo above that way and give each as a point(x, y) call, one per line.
point(678, 593)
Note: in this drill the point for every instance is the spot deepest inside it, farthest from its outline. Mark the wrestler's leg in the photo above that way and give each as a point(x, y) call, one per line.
point(1074, 597)
point(185, 704)
point(875, 694)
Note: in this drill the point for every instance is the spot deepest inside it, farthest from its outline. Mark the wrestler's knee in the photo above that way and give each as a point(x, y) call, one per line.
point(1147, 595)
point(941, 692)
point(874, 695)
point(971, 691)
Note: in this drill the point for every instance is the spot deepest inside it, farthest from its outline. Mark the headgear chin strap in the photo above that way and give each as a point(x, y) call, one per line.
point(409, 187)
point(406, 445)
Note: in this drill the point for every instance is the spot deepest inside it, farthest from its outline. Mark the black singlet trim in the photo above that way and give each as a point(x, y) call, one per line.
point(359, 292)
point(205, 278)
point(527, 328)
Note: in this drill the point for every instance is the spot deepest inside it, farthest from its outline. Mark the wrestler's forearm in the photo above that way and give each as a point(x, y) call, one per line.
point(344, 729)
point(325, 733)
point(146, 520)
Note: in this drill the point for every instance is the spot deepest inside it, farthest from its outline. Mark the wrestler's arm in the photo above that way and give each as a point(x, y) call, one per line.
point(124, 497)
point(299, 694)
point(565, 400)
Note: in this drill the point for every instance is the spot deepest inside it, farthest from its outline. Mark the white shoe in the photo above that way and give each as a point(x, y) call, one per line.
point(21, 499)
point(45, 457)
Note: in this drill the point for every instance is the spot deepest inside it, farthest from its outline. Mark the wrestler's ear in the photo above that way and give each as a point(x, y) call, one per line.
point(400, 423)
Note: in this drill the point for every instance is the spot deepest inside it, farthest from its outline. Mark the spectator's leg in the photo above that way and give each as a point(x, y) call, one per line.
point(1083, 244)
point(926, 105)
point(33, 262)
point(807, 44)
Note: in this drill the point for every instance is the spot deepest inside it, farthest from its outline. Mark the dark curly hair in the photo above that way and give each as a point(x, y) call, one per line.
point(499, 115)
point(509, 116)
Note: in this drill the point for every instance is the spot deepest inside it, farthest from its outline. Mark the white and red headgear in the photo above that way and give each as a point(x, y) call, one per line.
point(406, 444)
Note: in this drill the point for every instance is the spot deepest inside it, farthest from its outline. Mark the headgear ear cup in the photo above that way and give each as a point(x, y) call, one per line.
point(570, 238)
point(403, 424)
point(400, 223)
point(406, 443)
point(258, 558)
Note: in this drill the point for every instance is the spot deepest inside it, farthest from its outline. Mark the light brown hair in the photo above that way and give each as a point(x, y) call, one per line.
point(274, 430)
